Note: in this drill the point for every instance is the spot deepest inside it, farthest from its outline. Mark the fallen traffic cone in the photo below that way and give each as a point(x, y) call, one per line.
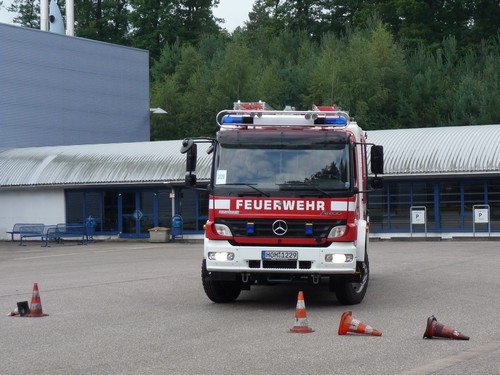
point(349, 324)
point(14, 312)
point(21, 309)
point(301, 325)
point(436, 329)
point(36, 304)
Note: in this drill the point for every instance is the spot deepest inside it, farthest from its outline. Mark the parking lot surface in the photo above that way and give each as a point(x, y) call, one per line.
point(139, 308)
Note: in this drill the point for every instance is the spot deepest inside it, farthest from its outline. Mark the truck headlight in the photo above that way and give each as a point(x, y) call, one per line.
point(220, 256)
point(337, 231)
point(338, 258)
point(223, 230)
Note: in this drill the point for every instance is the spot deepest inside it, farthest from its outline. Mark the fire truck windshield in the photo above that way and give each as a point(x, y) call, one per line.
point(310, 162)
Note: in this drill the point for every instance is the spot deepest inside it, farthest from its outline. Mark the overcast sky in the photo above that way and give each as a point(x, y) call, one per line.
point(235, 12)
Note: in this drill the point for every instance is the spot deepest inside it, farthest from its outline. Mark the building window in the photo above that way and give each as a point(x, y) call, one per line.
point(400, 203)
point(377, 209)
point(164, 208)
point(494, 203)
point(450, 205)
point(473, 195)
point(193, 207)
point(423, 196)
point(110, 212)
point(74, 206)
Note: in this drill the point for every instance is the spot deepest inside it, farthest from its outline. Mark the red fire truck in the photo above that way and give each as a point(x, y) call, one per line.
point(288, 200)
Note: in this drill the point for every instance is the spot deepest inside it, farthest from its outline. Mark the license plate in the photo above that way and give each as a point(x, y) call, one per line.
point(280, 255)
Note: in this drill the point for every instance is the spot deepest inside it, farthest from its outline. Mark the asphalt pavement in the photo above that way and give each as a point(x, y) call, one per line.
point(123, 307)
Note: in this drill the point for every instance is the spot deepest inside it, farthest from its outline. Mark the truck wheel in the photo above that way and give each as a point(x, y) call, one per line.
point(349, 292)
point(219, 291)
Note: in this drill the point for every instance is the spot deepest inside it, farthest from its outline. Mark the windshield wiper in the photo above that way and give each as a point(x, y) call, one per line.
point(250, 185)
point(308, 184)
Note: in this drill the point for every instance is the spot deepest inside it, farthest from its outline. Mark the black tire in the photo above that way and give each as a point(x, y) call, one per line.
point(219, 291)
point(352, 293)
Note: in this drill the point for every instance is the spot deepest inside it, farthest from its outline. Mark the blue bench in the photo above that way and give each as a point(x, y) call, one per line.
point(30, 230)
point(17, 228)
point(60, 231)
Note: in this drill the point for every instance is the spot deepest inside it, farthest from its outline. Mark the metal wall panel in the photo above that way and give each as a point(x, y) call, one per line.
point(444, 151)
point(62, 90)
point(103, 164)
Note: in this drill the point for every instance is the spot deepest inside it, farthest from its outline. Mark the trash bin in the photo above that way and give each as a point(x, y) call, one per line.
point(159, 234)
point(177, 226)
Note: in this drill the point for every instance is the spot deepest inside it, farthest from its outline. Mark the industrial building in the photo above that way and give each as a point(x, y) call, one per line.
point(74, 116)
point(129, 188)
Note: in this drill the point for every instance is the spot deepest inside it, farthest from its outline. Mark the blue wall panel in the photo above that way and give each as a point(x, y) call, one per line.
point(61, 90)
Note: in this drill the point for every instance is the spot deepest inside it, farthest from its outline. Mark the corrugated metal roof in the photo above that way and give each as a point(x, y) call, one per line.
point(473, 149)
point(407, 152)
point(117, 163)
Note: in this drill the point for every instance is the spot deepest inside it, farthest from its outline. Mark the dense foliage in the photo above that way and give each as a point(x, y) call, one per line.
point(390, 63)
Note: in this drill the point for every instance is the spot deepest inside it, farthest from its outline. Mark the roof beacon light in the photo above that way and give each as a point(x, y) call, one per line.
point(331, 120)
point(259, 114)
point(324, 108)
point(236, 120)
point(252, 106)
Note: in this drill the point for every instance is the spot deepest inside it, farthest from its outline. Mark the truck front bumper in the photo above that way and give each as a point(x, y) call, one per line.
point(338, 258)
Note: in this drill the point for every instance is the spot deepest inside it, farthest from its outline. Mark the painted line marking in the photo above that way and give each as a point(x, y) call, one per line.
point(454, 360)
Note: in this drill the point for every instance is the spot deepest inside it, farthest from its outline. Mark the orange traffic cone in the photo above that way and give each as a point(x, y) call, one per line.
point(349, 324)
point(301, 325)
point(436, 329)
point(36, 304)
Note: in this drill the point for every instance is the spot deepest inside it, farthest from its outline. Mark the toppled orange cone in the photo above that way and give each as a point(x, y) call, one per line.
point(436, 329)
point(22, 309)
point(36, 304)
point(14, 312)
point(349, 324)
point(301, 324)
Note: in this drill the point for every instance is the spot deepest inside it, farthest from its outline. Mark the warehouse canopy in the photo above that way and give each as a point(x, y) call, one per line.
point(99, 164)
point(429, 152)
point(454, 150)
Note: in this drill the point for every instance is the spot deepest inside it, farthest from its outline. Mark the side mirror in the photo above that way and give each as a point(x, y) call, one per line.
point(190, 148)
point(191, 156)
point(186, 145)
point(377, 160)
point(376, 182)
point(190, 179)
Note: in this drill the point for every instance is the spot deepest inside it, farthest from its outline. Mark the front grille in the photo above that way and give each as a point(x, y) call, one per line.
point(296, 228)
point(304, 265)
point(280, 264)
point(254, 263)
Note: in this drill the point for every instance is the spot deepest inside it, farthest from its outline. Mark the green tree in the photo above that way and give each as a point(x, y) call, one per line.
point(322, 78)
point(263, 18)
point(184, 94)
point(28, 12)
point(103, 20)
point(234, 76)
point(156, 23)
point(367, 77)
point(486, 16)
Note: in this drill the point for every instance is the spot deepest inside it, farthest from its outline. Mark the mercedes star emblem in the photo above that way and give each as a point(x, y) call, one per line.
point(280, 227)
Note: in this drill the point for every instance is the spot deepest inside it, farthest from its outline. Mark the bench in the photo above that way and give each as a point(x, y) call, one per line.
point(30, 230)
point(17, 227)
point(60, 231)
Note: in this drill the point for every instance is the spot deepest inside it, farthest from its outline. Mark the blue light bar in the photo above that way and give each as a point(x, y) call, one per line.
point(250, 228)
point(236, 119)
point(336, 120)
point(309, 229)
